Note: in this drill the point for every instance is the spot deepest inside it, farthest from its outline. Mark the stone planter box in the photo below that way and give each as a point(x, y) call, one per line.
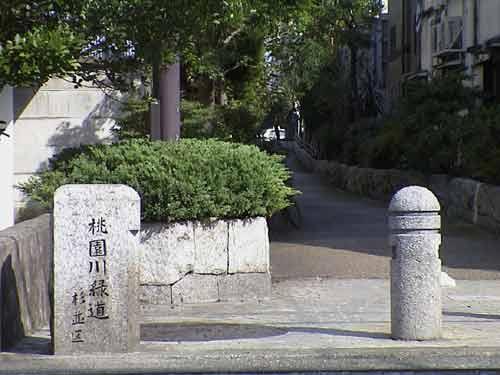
point(195, 262)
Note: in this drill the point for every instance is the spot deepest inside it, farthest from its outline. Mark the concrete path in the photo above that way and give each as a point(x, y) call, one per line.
point(345, 236)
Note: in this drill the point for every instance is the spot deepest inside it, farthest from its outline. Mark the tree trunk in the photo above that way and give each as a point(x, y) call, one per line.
point(170, 102)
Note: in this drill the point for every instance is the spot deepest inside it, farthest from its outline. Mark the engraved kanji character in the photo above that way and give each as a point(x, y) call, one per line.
point(98, 311)
point(78, 318)
point(97, 248)
point(98, 226)
point(98, 289)
point(76, 336)
point(95, 266)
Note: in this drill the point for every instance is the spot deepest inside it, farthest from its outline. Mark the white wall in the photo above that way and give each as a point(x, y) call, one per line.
point(55, 117)
point(7, 160)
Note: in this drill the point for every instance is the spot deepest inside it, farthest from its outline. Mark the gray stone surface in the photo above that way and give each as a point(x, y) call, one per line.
point(155, 294)
point(195, 289)
point(211, 243)
point(248, 249)
point(415, 265)
point(439, 185)
point(166, 252)
point(414, 199)
point(95, 269)
point(488, 206)
point(463, 198)
point(25, 267)
point(244, 286)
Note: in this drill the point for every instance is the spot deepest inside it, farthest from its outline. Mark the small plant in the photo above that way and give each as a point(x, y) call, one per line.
point(187, 180)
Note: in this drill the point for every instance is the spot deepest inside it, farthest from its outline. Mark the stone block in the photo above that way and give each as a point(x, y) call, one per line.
point(488, 206)
point(11, 327)
point(380, 187)
point(195, 289)
point(463, 195)
point(438, 184)
point(25, 264)
point(248, 246)
point(211, 243)
point(155, 294)
point(95, 269)
point(244, 286)
point(166, 252)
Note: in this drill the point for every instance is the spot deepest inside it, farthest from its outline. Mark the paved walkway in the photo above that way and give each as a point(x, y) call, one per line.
point(345, 236)
point(308, 325)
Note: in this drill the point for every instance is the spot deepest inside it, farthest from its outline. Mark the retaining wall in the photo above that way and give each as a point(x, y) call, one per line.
point(463, 198)
point(25, 269)
point(195, 262)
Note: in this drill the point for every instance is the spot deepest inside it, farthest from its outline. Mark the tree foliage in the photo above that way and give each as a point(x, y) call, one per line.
point(303, 48)
point(38, 40)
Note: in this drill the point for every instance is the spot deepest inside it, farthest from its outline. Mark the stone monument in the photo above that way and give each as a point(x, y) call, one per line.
point(414, 224)
point(96, 241)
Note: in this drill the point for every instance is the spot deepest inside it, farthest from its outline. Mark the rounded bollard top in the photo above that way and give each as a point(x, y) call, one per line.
point(414, 199)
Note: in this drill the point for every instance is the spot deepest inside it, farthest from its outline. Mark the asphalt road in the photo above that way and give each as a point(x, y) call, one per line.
point(345, 236)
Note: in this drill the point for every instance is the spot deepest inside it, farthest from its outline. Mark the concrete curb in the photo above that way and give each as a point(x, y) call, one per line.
point(268, 360)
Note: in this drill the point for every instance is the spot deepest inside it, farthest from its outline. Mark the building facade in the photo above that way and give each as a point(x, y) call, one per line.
point(429, 38)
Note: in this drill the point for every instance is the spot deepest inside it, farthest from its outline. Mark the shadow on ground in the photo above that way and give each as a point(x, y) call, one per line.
point(188, 332)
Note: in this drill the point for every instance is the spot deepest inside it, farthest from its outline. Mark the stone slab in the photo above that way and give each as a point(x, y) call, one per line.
point(463, 198)
point(155, 294)
point(211, 244)
point(244, 286)
point(195, 289)
point(95, 269)
point(25, 267)
point(248, 246)
point(166, 252)
point(488, 206)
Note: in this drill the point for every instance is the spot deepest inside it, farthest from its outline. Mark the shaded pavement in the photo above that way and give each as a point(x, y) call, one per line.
point(345, 236)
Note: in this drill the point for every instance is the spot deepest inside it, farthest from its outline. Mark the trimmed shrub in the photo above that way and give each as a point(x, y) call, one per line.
point(187, 180)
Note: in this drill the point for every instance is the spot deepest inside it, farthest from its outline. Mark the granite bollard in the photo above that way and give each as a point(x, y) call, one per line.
point(95, 269)
point(414, 224)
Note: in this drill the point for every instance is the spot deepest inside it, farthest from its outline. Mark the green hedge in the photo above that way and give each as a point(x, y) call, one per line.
point(187, 180)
